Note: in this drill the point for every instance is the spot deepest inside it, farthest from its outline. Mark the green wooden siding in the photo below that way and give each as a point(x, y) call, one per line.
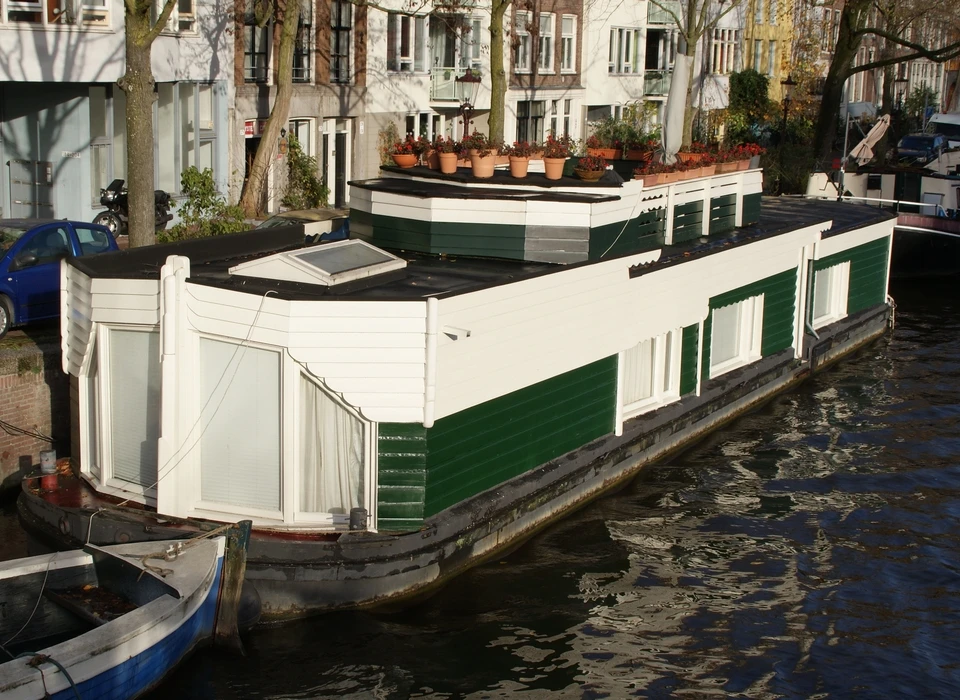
point(688, 359)
point(401, 489)
point(868, 273)
point(779, 312)
point(461, 238)
point(485, 445)
point(723, 214)
point(645, 232)
point(751, 209)
point(687, 221)
point(422, 472)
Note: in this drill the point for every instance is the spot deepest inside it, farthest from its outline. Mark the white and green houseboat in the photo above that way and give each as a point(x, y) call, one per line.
point(480, 358)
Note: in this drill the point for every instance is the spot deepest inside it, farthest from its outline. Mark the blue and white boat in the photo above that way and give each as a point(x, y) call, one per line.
point(105, 622)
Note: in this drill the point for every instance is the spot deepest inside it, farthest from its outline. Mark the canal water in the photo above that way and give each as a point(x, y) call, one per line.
point(809, 550)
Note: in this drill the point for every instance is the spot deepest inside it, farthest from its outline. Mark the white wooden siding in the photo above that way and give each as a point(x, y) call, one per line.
point(852, 239)
point(532, 330)
point(371, 353)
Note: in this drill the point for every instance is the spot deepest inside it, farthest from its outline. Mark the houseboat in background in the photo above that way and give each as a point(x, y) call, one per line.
point(480, 358)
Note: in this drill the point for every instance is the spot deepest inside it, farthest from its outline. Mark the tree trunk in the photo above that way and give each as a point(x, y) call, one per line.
point(886, 107)
point(843, 56)
point(137, 83)
point(254, 188)
point(498, 75)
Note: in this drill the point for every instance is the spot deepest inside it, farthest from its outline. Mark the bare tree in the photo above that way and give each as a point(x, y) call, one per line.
point(138, 84)
point(896, 24)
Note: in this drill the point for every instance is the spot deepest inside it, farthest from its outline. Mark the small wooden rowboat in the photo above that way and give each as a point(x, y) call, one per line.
point(105, 622)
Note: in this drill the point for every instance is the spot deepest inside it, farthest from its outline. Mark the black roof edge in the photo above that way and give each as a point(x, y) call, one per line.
point(147, 261)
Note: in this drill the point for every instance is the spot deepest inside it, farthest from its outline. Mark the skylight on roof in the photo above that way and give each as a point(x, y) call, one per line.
point(328, 264)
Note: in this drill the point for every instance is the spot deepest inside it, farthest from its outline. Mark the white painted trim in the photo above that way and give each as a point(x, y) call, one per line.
point(430, 364)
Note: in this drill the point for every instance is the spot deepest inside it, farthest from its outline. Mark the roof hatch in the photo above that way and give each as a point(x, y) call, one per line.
point(328, 264)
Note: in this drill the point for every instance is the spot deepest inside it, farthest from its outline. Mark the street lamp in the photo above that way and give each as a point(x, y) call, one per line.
point(468, 85)
point(901, 84)
point(787, 86)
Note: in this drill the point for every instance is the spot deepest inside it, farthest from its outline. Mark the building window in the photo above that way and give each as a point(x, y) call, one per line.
point(530, 120)
point(474, 43)
point(331, 474)
point(184, 131)
point(545, 47)
point(303, 45)
point(93, 12)
point(757, 53)
point(340, 34)
point(406, 43)
point(650, 373)
point(624, 54)
point(185, 16)
point(101, 128)
point(302, 130)
point(239, 426)
point(560, 117)
point(568, 44)
point(772, 58)
point(735, 335)
point(758, 13)
point(773, 11)
point(724, 47)
point(255, 51)
point(830, 291)
point(521, 28)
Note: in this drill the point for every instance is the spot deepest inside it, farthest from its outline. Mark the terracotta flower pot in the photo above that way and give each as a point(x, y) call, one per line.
point(405, 160)
point(650, 179)
point(431, 159)
point(726, 167)
point(708, 170)
point(519, 166)
point(638, 154)
point(667, 178)
point(483, 165)
point(553, 168)
point(589, 175)
point(448, 163)
point(688, 157)
point(606, 153)
point(743, 164)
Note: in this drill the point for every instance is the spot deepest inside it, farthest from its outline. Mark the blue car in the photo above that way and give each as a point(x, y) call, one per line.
point(30, 254)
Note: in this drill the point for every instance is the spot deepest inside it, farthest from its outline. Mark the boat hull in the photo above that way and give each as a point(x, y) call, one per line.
point(299, 574)
point(128, 656)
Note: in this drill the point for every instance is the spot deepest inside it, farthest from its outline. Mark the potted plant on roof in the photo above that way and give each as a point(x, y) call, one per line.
point(428, 154)
point(406, 152)
point(605, 140)
point(555, 154)
point(448, 152)
point(482, 153)
point(519, 154)
point(648, 172)
point(591, 168)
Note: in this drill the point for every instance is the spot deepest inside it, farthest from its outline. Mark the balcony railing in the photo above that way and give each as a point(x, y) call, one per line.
point(656, 82)
point(658, 15)
point(443, 84)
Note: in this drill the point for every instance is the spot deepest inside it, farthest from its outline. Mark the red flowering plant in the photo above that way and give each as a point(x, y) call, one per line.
point(557, 147)
point(745, 151)
point(592, 163)
point(409, 146)
point(521, 149)
point(479, 142)
point(444, 145)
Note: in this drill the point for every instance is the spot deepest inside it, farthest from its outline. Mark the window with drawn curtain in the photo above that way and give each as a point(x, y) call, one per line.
point(331, 454)
point(340, 20)
point(650, 373)
point(736, 332)
point(303, 45)
point(240, 425)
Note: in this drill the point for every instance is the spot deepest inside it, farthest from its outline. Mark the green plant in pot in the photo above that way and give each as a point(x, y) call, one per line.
point(591, 168)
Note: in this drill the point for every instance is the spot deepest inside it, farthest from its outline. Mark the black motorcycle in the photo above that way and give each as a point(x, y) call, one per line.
point(114, 198)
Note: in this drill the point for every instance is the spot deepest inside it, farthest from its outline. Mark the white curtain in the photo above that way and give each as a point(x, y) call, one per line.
point(639, 372)
point(331, 454)
point(725, 336)
point(240, 423)
point(134, 366)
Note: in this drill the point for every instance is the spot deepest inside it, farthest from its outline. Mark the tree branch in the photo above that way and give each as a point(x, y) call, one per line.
point(161, 21)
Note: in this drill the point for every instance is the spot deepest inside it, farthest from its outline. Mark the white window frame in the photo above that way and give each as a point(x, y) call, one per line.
point(568, 45)
point(546, 46)
point(522, 58)
point(416, 30)
point(749, 334)
point(79, 14)
point(836, 288)
point(101, 384)
point(624, 59)
point(664, 352)
point(214, 509)
point(757, 54)
point(771, 57)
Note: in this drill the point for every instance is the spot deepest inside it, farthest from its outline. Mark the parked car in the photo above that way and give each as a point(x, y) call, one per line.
point(319, 225)
point(30, 254)
point(921, 147)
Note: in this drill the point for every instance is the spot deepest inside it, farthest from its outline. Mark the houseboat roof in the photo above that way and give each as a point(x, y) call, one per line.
point(437, 275)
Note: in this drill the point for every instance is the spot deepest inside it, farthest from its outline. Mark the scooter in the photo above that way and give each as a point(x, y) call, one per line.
point(114, 198)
